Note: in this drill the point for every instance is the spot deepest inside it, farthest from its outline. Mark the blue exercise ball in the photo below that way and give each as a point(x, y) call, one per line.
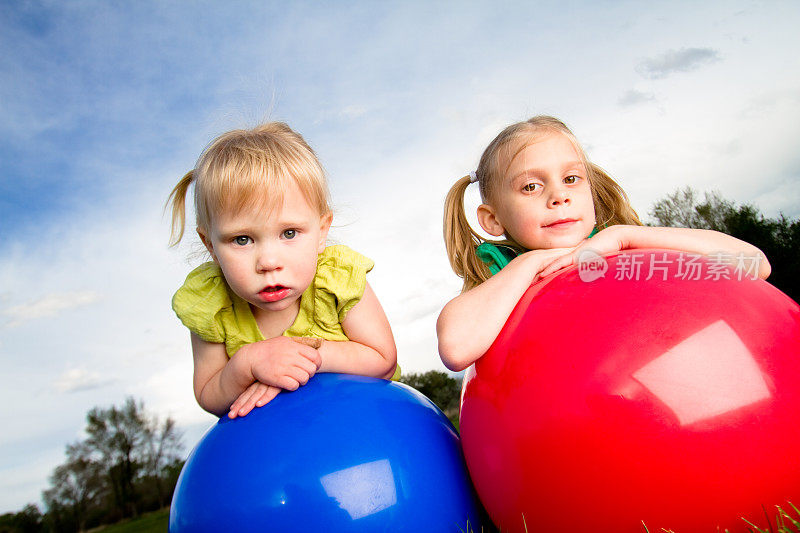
point(342, 453)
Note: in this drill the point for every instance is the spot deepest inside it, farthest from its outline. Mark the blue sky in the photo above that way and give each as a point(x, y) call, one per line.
point(104, 105)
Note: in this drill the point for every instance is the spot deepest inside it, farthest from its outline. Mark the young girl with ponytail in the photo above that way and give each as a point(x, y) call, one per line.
point(275, 304)
point(545, 200)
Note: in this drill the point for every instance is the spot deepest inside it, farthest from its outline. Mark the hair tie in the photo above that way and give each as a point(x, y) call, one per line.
point(473, 177)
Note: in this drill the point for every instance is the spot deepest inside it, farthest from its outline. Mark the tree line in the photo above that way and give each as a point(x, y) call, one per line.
point(128, 464)
point(442, 389)
point(778, 238)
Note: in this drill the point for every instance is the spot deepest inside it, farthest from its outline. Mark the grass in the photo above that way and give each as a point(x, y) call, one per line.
point(471, 530)
point(785, 522)
point(155, 522)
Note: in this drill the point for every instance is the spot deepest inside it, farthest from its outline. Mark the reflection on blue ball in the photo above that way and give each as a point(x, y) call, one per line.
point(342, 453)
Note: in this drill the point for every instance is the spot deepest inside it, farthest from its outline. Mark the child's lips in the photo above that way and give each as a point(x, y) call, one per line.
point(561, 224)
point(273, 293)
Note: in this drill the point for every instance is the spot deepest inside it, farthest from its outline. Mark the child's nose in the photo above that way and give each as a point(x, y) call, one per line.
point(267, 260)
point(559, 196)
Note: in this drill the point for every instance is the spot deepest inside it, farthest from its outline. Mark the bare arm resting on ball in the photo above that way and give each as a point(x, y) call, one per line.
point(257, 372)
point(697, 241)
point(469, 323)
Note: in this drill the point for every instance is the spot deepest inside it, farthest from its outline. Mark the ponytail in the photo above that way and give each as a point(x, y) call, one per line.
point(611, 204)
point(461, 240)
point(177, 200)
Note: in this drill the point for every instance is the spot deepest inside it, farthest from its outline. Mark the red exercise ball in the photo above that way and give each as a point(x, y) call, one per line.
point(648, 387)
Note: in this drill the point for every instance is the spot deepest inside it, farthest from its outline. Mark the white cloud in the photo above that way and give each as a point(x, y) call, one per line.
point(682, 60)
point(80, 379)
point(633, 97)
point(48, 306)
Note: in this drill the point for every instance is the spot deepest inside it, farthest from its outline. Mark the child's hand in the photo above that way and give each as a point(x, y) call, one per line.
point(256, 395)
point(698, 241)
point(606, 241)
point(544, 257)
point(283, 362)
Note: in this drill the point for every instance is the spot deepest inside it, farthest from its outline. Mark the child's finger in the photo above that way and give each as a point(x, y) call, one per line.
point(269, 394)
point(288, 383)
point(546, 270)
point(307, 366)
point(247, 407)
point(241, 401)
point(312, 355)
point(558, 264)
point(252, 401)
point(299, 374)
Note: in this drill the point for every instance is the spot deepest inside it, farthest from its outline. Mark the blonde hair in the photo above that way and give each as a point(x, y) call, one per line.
point(248, 169)
point(611, 204)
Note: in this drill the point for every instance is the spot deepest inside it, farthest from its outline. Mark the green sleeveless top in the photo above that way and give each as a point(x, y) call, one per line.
point(208, 307)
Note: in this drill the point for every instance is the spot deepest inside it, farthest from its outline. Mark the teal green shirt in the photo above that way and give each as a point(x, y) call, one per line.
point(498, 256)
point(495, 256)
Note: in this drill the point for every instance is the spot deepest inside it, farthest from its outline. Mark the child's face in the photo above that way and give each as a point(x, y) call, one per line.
point(544, 200)
point(270, 260)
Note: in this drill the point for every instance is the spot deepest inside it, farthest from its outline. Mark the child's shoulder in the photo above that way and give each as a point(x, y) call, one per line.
point(204, 280)
point(338, 286)
point(341, 276)
point(495, 256)
point(204, 302)
point(207, 271)
point(203, 293)
point(340, 256)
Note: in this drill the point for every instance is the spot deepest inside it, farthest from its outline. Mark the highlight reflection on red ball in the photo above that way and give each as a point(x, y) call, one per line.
point(654, 387)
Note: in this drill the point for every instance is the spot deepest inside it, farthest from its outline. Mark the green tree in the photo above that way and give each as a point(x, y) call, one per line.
point(683, 209)
point(29, 520)
point(162, 450)
point(118, 436)
point(76, 485)
point(778, 238)
point(127, 464)
point(440, 388)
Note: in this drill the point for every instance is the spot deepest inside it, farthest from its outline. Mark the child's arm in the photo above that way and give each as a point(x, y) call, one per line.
point(698, 241)
point(371, 349)
point(280, 363)
point(470, 322)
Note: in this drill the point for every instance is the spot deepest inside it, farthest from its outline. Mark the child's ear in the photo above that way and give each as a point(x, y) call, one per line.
point(324, 226)
point(487, 218)
point(207, 243)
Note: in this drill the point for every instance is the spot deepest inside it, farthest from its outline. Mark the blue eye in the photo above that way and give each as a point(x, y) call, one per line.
point(242, 240)
point(289, 234)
